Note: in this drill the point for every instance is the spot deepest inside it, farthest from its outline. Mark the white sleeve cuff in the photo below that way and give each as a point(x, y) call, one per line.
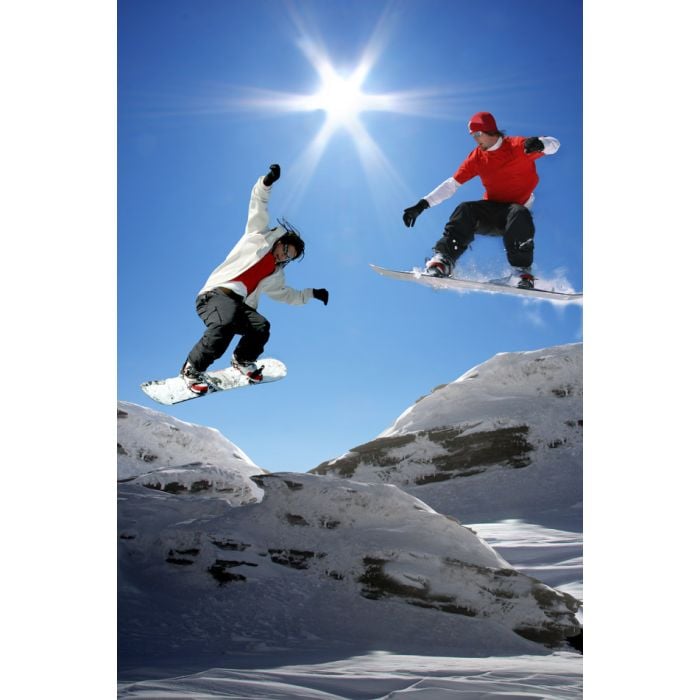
point(551, 145)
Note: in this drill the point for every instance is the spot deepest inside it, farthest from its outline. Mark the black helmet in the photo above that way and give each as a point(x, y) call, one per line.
point(291, 237)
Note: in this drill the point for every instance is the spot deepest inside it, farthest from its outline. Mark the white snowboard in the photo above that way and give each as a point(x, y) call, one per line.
point(174, 390)
point(494, 286)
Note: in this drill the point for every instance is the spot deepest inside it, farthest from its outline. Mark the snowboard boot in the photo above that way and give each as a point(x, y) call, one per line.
point(438, 266)
point(249, 369)
point(193, 378)
point(526, 278)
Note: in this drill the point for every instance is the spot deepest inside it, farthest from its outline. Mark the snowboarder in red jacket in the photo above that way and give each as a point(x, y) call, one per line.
point(506, 166)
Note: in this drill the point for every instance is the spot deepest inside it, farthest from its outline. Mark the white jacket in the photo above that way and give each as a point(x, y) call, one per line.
point(257, 241)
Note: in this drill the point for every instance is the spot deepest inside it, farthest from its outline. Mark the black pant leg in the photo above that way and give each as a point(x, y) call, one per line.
point(459, 232)
point(218, 311)
point(255, 332)
point(519, 236)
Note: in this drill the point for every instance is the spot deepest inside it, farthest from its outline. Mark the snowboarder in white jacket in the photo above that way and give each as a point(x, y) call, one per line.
point(227, 303)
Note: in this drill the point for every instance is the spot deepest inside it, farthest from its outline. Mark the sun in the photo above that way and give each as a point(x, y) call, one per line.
point(340, 98)
point(339, 95)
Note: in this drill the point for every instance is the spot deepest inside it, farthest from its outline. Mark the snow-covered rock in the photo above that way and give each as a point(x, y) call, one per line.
point(320, 561)
point(161, 452)
point(502, 441)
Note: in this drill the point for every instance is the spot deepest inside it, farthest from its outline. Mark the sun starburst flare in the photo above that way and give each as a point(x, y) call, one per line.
point(342, 99)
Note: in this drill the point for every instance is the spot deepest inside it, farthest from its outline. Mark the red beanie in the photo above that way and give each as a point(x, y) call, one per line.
point(482, 121)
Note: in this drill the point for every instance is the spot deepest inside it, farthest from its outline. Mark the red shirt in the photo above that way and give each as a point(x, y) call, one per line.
point(252, 277)
point(508, 173)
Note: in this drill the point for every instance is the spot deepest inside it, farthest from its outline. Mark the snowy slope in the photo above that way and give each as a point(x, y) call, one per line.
point(320, 563)
point(381, 676)
point(503, 441)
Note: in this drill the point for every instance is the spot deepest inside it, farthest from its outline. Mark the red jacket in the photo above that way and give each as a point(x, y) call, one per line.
point(508, 173)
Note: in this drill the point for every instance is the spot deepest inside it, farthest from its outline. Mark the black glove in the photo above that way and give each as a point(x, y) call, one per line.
point(412, 213)
point(273, 175)
point(533, 144)
point(321, 295)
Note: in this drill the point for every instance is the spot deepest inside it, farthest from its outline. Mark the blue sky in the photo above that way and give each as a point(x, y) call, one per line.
point(209, 94)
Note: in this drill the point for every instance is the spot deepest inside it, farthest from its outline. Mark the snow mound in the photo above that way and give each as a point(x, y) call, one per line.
point(512, 387)
point(165, 453)
point(504, 440)
point(319, 562)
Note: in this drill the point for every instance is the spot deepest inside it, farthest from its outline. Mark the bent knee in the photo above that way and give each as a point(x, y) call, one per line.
point(261, 325)
point(520, 210)
point(522, 213)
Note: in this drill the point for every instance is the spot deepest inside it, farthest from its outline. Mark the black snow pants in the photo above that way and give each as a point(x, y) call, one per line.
point(226, 314)
point(512, 221)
